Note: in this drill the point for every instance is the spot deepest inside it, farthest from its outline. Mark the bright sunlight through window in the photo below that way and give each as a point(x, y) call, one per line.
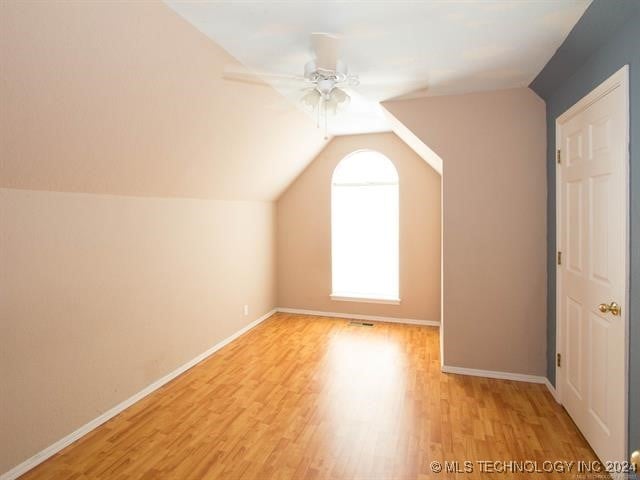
point(364, 228)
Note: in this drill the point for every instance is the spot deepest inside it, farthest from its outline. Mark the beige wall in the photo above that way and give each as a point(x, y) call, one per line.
point(104, 292)
point(304, 233)
point(494, 233)
point(102, 295)
point(128, 98)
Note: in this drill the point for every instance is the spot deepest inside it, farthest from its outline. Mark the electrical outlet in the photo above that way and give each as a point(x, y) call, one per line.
point(246, 310)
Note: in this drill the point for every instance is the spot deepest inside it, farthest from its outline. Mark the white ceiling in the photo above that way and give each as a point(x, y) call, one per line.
point(396, 47)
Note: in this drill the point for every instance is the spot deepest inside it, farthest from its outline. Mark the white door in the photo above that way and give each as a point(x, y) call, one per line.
point(592, 238)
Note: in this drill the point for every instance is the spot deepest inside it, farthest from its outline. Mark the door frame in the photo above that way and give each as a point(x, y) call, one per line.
point(619, 79)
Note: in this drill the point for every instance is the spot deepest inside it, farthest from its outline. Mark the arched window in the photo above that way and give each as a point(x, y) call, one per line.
point(364, 228)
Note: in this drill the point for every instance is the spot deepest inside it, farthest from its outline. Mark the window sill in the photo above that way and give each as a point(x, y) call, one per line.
point(352, 298)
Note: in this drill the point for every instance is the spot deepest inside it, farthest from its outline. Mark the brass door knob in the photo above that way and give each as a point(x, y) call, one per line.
point(635, 461)
point(612, 308)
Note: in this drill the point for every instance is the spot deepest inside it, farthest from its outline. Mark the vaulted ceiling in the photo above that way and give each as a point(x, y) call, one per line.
point(396, 47)
point(127, 98)
point(130, 98)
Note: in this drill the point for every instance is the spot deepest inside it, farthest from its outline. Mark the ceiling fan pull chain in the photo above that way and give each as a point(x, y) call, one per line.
point(325, 120)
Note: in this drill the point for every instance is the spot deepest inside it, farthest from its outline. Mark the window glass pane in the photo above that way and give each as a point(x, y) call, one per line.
point(365, 167)
point(365, 228)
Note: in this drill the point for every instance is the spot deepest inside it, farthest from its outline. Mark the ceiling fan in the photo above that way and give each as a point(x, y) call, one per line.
point(324, 81)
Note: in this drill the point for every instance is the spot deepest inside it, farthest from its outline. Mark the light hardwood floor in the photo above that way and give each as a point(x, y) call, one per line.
point(303, 397)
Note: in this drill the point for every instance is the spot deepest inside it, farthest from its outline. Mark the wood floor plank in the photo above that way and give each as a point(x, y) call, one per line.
point(302, 397)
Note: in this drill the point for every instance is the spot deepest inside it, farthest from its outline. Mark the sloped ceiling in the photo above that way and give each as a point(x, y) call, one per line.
point(397, 47)
point(127, 98)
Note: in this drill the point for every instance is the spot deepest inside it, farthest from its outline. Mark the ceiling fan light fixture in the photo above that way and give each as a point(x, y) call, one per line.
point(339, 95)
point(311, 98)
point(338, 100)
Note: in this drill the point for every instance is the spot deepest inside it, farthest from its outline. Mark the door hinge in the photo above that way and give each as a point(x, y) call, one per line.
point(559, 258)
point(558, 359)
point(558, 156)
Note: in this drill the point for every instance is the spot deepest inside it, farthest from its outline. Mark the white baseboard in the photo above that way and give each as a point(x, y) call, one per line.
point(355, 316)
point(552, 390)
point(51, 450)
point(518, 377)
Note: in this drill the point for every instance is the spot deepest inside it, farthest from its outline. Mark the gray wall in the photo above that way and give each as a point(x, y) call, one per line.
point(606, 38)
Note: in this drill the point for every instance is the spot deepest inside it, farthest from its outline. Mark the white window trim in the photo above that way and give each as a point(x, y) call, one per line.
point(362, 299)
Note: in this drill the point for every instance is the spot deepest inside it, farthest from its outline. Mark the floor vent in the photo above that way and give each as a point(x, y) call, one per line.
point(356, 323)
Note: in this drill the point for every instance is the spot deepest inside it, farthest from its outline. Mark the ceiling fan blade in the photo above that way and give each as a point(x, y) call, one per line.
point(382, 89)
point(245, 79)
point(419, 93)
point(326, 48)
point(260, 78)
